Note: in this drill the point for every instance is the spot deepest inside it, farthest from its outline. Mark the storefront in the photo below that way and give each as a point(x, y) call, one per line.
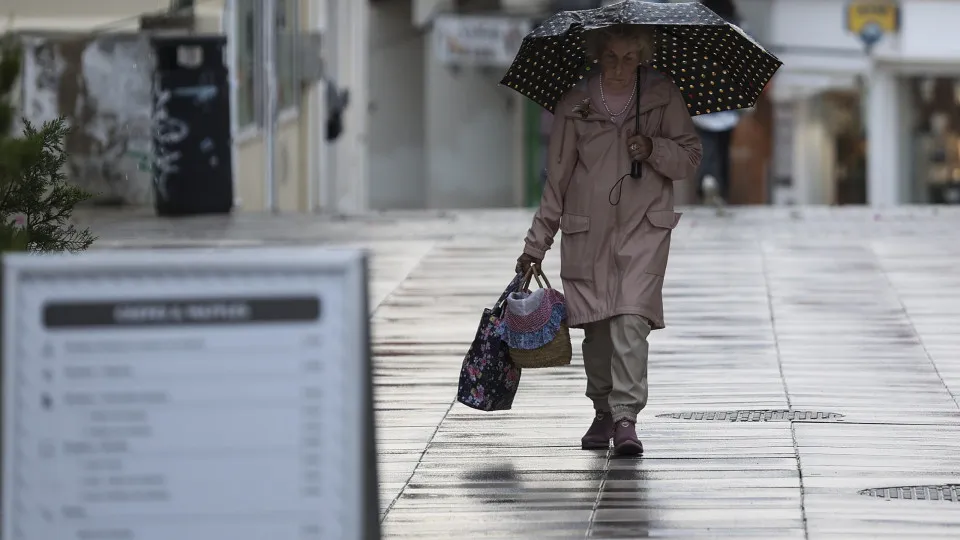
point(847, 129)
point(935, 130)
point(876, 126)
point(820, 139)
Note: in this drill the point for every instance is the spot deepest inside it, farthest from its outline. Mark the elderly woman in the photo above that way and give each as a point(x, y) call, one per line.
point(616, 229)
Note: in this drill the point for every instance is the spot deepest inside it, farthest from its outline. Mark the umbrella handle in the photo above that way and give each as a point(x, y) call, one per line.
point(636, 168)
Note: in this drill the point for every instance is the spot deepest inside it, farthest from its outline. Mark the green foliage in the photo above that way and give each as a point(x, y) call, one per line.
point(13, 239)
point(43, 194)
point(10, 55)
point(36, 201)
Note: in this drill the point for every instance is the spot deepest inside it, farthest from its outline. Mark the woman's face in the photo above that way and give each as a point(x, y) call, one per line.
point(619, 63)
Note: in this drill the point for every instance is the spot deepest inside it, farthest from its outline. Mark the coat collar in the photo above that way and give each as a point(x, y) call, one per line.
point(656, 92)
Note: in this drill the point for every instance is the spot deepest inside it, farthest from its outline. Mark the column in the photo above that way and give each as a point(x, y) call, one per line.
point(352, 64)
point(228, 25)
point(315, 95)
point(883, 152)
point(814, 151)
point(807, 181)
point(268, 86)
point(519, 156)
point(783, 178)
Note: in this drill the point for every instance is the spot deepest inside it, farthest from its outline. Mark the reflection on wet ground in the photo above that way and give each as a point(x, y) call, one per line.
point(845, 311)
point(844, 325)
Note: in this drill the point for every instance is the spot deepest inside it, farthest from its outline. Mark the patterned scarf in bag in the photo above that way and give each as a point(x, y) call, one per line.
point(531, 319)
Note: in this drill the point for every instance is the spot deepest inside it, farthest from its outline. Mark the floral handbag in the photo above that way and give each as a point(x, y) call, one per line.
point(488, 378)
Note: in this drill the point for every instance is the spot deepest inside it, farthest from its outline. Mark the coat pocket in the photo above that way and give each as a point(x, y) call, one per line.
point(662, 223)
point(576, 258)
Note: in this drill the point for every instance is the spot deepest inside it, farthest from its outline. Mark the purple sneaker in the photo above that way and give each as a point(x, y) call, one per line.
point(600, 432)
point(625, 441)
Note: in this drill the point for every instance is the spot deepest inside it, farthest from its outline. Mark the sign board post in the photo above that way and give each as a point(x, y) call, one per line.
point(188, 395)
point(872, 19)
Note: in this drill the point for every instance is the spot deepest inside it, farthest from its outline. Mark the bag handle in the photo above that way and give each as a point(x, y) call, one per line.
point(535, 272)
point(529, 276)
point(514, 286)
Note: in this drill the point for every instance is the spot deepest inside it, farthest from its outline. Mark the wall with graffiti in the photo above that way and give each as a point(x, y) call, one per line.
point(102, 84)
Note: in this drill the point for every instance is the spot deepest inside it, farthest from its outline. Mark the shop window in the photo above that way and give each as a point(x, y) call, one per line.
point(843, 118)
point(246, 34)
point(288, 85)
point(936, 138)
point(249, 65)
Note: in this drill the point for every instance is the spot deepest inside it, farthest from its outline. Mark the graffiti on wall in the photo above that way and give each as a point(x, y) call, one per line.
point(171, 131)
point(102, 85)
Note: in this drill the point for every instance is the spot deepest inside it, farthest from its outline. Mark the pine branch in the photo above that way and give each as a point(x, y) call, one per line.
point(43, 193)
point(33, 184)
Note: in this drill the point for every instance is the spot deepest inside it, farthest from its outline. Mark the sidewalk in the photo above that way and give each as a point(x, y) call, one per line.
point(844, 319)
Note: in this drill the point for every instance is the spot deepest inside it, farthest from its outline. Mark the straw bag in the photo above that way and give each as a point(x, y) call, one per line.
point(534, 325)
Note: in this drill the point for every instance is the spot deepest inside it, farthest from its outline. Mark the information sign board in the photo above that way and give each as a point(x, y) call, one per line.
point(188, 395)
point(872, 19)
point(478, 40)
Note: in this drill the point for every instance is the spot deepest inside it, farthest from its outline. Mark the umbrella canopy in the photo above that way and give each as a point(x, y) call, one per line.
point(716, 65)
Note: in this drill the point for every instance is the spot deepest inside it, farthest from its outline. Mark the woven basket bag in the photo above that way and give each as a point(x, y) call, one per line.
point(542, 307)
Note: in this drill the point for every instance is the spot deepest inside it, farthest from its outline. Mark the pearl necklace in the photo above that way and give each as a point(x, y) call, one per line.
point(625, 107)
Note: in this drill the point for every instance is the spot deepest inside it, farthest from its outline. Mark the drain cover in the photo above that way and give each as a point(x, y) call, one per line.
point(753, 416)
point(946, 492)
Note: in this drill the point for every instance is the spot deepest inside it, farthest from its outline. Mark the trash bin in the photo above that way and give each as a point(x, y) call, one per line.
point(192, 168)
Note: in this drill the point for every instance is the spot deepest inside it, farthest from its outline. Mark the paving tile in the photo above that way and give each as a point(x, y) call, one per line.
point(845, 310)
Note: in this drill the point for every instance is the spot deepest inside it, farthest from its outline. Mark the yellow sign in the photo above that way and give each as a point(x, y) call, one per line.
point(873, 17)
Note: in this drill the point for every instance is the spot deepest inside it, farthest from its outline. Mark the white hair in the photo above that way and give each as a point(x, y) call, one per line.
point(643, 36)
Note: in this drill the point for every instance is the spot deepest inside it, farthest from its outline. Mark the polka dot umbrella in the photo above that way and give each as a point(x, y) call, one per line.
point(716, 65)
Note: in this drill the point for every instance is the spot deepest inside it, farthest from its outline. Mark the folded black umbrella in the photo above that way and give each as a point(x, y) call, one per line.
point(716, 65)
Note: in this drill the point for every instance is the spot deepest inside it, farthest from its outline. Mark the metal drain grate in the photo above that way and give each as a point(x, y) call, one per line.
point(946, 492)
point(753, 416)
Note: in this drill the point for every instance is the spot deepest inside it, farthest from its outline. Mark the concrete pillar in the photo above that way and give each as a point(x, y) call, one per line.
point(349, 29)
point(519, 156)
point(910, 190)
point(814, 156)
point(315, 100)
point(228, 27)
point(270, 94)
point(782, 191)
point(806, 181)
point(883, 128)
point(395, 142)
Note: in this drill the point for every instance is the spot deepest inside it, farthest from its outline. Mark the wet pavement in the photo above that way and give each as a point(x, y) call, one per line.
point(810, 355)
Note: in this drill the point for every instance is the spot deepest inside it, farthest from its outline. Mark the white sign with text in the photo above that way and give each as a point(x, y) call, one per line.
point(478, 40)
point(188, 395)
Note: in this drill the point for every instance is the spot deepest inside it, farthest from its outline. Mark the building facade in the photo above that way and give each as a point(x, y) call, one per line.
point(878, 127)
point(484, 145)
point(95, 53)
point(837, 125)
point(428, 126)
point(442, 133)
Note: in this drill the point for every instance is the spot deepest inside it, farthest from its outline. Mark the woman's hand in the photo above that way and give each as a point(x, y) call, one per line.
point(640, 147)
point(524, 262)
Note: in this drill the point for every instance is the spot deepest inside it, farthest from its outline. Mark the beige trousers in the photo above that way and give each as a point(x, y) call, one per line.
point(615, 352)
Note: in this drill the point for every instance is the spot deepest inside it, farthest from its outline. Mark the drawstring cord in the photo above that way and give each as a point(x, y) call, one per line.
point(619, 185)
point(619, 188)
